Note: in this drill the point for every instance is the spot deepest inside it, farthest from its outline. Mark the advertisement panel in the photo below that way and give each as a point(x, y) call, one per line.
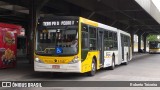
point(8, 44)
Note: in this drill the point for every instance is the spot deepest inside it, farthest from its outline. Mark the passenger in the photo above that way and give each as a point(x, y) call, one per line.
point(74, 45)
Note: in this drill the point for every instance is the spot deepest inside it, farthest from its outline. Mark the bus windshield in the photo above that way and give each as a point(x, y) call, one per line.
point(154, 45)
point(63, 41)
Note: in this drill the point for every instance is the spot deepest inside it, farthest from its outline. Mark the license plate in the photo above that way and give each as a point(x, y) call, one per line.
point(55, 66)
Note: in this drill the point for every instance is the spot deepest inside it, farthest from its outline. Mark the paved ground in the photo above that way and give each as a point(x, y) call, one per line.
point(143, 67)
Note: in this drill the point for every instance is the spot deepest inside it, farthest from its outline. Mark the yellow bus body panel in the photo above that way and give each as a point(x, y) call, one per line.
point(89, 22)
point(154, 50)
point(86, 64)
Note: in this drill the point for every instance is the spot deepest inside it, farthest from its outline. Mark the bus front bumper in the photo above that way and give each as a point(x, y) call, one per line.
point(41, 67)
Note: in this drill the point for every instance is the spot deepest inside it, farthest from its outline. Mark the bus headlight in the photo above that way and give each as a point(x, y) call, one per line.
point(38, 60)
point(75, 60)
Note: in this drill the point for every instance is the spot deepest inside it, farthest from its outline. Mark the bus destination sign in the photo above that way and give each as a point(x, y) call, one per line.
point(60, 23)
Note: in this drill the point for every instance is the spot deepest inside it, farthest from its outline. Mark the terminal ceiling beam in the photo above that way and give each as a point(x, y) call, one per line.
point(124, 11)
point(13, 13)
point(150, 7)
point(115, 5)
point(13, 7)
point(114, 22)
point(91, 15)
point(127, 28)
point(94, 6)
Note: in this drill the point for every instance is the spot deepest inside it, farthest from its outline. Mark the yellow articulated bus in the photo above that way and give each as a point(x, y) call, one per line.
point(154, 47)
point(76, 44)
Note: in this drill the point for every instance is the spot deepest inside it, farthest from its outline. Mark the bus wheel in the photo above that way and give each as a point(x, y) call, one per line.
point(93, 68)
point(127, 59)
point(150, 52)
point(113, 63)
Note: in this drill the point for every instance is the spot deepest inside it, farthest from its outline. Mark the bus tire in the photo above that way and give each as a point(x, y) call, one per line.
point(150, 52)
point(113, 63)
point(93, 68)
point(127, 59)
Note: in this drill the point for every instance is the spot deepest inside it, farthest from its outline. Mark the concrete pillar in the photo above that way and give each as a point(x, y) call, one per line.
point(139, 42)
point(31, 31)
point(34, 14)
point(145, 41)
point(132, 32)
point(132, 41)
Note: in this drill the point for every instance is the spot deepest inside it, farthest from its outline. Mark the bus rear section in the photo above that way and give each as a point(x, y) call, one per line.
point(154, 47)
point(125, 49)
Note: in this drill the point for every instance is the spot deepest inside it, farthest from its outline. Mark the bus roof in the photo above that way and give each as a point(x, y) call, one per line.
point(123, 32)
point(107, 27)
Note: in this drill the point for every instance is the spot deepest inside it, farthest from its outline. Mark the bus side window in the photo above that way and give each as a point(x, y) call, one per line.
point(129, 42)
point(84, 40)
point(110, 37)
point(92, 38)
point(85, 36)
point(115, 43)
point(158, 45)
point(125, 41)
